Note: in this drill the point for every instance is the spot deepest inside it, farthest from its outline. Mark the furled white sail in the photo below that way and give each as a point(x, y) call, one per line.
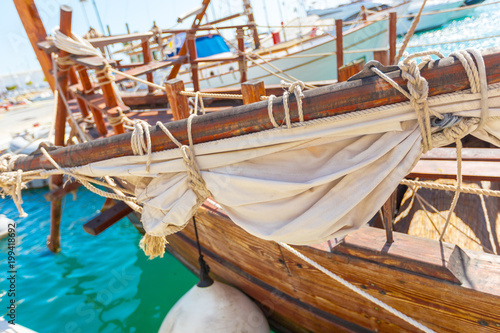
point(317, 180)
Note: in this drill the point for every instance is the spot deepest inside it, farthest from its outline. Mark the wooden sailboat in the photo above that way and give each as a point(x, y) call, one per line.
point(440, 285)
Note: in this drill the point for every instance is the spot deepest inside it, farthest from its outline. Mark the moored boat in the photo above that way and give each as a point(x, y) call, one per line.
point(420, 277)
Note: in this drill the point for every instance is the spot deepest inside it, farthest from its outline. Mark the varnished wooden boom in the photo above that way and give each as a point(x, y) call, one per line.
point(447, 76)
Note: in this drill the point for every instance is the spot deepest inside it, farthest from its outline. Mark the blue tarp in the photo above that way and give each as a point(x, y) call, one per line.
point(210, 45)
point(205, 45)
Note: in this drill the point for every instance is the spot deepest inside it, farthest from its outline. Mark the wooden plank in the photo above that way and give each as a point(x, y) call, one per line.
point(107, 218)
point(424, 257)
point(93, 62)
point(447, 75)
point(98, 102)
point(108, 40)
point(468, 154)
point(60, 192)
point(382, 57)
point(471, 170)
point(47, 46)
point(346, 71)
point(206, 59)
point(151, 67)
point(144, 99)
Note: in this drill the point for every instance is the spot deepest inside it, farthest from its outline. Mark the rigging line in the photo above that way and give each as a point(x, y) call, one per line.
point(357, 290)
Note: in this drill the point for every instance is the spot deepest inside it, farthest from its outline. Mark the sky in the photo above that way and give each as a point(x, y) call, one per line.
point(17, 54)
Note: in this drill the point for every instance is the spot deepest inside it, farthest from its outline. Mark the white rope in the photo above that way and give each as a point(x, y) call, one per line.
point(141, 140)
point(296, 88)
point(356, 289)
point(270, 110)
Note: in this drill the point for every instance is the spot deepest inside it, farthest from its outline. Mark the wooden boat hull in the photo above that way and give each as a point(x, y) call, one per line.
point(437, 284)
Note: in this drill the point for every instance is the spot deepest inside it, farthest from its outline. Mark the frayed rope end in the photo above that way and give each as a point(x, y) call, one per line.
point(153, 246)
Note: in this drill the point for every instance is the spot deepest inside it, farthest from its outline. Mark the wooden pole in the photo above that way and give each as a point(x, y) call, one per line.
point(192, 59)
point(146, 53)
point(87, 86)
point(54, 240)
point(340, 45)
point(251, 20)
point(178, 103)
point(35, 30)
point(393, 19)
point(252, 91)
point(317, 103)
point(242, 63)
point(363, 13)
point(183, 51)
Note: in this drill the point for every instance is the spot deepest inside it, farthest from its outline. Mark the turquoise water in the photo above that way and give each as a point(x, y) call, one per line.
point(484, 23)
point(105, 283)
point(97, 283)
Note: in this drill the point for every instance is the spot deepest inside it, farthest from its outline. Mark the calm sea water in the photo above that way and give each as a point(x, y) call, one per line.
point(105, 283)
point(97, 283)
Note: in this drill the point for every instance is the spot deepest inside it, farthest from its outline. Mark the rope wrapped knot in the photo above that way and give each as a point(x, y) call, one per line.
point(154, 245)
point(418, 88)
point(296, 88)
point(12, 182)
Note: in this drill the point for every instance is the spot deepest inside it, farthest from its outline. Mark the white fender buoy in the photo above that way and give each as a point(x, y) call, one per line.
point(217, 308)
point(4, 226)
point(6, 327)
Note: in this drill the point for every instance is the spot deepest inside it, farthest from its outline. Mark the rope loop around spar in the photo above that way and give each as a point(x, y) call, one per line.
point(418, 88)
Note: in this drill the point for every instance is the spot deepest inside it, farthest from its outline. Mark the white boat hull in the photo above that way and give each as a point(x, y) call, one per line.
point(295, 62)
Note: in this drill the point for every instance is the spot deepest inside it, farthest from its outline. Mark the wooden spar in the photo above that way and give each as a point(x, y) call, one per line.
point(251, 21)
point(340, 45)
point(183, 50)
point(191, 40)
point(393, 18)
point(252, 91)
point(178, 103)
point(224, 19)
point(87, 86)
point(146, 53)
point(447, 76)
point(54, 240)
point(242, 63)
point(107, 218)
point(35, 30)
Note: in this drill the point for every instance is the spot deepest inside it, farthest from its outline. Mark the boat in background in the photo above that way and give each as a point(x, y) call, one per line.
point(445, 11)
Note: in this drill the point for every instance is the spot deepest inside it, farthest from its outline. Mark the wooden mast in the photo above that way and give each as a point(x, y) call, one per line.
point(35, 30)
point(251, 21)
point(317, 103)
point(184, 48)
